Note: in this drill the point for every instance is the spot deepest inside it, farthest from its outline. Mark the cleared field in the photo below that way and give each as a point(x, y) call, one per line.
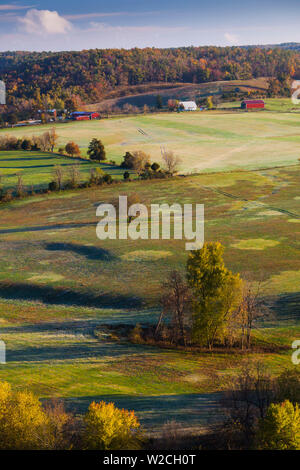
point(207, 141)
point(58, 283)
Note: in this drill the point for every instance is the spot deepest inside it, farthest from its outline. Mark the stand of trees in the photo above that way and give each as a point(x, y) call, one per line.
point(66, 80)
point(26, 425)
point(44, 142)
point(206, 307)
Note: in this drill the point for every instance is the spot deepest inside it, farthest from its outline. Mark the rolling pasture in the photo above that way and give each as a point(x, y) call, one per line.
point(204, 141)
point(60, 285)
point(36, 168)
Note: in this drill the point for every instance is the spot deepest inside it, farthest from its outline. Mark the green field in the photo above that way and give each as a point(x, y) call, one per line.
point(36, 168)
point(207, 141)
point(59, 283)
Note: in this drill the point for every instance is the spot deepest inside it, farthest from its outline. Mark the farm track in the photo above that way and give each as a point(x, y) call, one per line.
point(262, 204)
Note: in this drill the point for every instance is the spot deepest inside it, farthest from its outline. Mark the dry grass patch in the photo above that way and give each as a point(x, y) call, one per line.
point(255, 244)
point(149, 255)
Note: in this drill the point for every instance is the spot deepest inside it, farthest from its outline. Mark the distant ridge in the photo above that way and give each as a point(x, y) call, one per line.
point(293, 46)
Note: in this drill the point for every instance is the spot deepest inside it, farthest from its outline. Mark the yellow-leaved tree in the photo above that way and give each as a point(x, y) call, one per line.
point(23, 423)
point(110, 428)
point(280, 429)
point(26, 425)
point(217, 293)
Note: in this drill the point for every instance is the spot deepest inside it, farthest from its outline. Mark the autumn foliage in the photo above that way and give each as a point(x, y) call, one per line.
point(110, 428)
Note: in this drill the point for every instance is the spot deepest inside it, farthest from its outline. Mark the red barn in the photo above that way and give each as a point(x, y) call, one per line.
point(84, 115)
point(253, 104)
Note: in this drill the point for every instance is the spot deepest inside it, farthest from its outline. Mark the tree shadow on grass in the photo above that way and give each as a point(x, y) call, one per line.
point(36, 166)
point(286, 307)
point(41, 228)
point(64, 296)
point(190, 410)
point(20, 159)
point(90, 252)
point(64, 351)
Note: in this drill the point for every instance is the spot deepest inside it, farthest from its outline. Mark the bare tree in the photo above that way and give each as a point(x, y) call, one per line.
point(74, 175)
point(53, 137)
point(45, 141)
point(58, 175)
point(20, 185)
point(171, 161)
point(176, 303)
point(251, 393)
point(140, 159)
point(252, 308)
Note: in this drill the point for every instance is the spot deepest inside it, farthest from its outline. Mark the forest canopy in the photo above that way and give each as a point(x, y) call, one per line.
point(32, 77)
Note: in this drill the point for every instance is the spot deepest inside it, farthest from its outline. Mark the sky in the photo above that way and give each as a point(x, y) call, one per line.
point(76, 24)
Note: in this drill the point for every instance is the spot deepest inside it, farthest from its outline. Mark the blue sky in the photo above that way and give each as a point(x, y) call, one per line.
point(77, 24)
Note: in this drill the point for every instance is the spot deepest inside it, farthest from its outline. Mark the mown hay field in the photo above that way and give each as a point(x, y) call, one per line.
point(204, 141)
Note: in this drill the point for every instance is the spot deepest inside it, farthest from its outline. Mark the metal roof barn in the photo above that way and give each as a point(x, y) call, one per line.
point(253, 104)
point(188, 105)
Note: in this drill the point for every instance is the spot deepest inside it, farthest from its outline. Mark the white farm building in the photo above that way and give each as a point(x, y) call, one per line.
point(188, 105)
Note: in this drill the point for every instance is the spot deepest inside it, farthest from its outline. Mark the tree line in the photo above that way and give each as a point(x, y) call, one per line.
point(63, 80)
point(137, 162)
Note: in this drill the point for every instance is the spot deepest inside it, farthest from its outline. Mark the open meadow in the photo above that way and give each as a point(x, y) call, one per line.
point(60, 285)
point(204, 141)
point(37, 168)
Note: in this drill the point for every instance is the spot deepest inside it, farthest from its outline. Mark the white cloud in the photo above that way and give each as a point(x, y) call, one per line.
point(84, 16)
point(8, 7)
point(44, 22)
point(231, 38)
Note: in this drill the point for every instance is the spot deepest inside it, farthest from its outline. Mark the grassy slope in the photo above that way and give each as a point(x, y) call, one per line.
point(206, 141)
point(36, 168)
point(58, 283)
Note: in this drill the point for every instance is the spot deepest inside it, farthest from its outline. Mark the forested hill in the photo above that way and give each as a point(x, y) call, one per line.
point(90, 74)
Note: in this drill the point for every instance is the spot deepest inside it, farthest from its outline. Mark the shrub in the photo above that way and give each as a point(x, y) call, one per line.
point(97, 175)
point(136, 334)
point(61, 425)
point(155, 166)
point(7, 196)
point(107, 178)
point(26, 144)
point(53, 186)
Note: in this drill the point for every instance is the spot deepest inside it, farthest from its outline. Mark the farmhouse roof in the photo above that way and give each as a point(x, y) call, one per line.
point(187, 103)
point(253, 101)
